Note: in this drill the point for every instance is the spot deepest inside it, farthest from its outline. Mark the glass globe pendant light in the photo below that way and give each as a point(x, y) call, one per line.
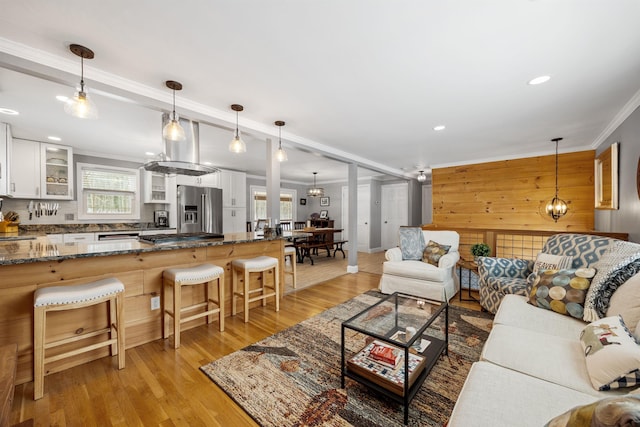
point(172, 130)
point(81, 105)
point(237, 145)
point(421, 177)
point(556, 208)
point(281, 155)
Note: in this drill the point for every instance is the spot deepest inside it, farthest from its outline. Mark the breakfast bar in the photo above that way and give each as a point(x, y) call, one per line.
point(34, 262)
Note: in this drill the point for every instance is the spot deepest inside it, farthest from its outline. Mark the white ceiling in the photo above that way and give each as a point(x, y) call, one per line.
point(365, 80)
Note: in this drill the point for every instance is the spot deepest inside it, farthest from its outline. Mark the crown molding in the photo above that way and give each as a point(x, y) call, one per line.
point(617, 120)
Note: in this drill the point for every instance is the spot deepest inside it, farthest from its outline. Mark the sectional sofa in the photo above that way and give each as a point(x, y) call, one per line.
point(537, 364)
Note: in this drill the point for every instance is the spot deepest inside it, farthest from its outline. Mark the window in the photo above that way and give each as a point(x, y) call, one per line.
point(108, 192)
point(259, 203)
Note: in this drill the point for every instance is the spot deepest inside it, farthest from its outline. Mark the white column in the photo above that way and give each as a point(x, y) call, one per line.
point(352, 267)
point(273, 183)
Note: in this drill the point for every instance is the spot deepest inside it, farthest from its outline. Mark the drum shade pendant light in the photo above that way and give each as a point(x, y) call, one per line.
point(281, 155)
point(421, 177)
point(557, 207)
point(237, 145)
point(172, 130)
point(81, 105)
point(315, 191)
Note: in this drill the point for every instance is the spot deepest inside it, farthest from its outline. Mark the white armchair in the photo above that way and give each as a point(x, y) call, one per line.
point(421, 278)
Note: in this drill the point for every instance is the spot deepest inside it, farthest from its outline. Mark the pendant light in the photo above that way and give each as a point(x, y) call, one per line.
point(237, 145)
point(557, 207)
point(315, 191)
point(172, 130)
point(421, 177)
point(81, 105)
point(281, 155)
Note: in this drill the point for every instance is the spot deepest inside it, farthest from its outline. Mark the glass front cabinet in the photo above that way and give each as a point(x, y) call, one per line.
point(56, 171)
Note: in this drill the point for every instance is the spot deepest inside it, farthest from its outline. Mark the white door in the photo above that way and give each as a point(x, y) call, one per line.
point(364, 215)
point(394, 212)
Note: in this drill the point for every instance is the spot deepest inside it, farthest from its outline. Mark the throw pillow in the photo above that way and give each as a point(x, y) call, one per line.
point(562, 291)
point(433, 252)
point(613, 262)
point(411, 243)
point(612, 354)
point(552, 262)
point(610, 411)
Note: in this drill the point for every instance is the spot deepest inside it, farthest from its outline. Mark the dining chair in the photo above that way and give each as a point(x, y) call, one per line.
point(285, 225)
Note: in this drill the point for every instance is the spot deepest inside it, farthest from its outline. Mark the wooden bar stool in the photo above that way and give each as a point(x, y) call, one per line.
point(176, 278)
point(59, 298)
point(261, 265)
point(290, 252)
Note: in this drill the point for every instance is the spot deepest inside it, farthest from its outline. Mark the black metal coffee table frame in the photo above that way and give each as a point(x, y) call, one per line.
point(431, 353)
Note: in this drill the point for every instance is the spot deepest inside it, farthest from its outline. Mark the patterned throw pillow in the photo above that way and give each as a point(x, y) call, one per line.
point(612, 354)
point(562, 291)
point(433, 252)
point(552, 262)
point(610, 411)
point(411, 243)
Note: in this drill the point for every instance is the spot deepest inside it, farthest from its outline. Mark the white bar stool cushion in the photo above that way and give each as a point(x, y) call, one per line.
point(193, 275)
point(258, 263)
point(289, 250)
point(58, 295)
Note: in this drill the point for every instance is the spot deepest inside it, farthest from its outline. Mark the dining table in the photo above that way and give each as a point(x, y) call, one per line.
point(308, 240)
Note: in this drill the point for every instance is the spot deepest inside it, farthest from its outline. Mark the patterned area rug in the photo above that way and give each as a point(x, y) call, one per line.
point(292, 378)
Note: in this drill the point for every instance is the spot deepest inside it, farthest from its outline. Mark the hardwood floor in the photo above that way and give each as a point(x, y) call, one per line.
point(162, 386)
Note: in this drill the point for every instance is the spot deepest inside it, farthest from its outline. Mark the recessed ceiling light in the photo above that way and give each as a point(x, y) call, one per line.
point(54, 138)
point(539, 80)
point(439, 127)
point(149, 153)
point(9, 111)
point(62, 98)
point(207, 163)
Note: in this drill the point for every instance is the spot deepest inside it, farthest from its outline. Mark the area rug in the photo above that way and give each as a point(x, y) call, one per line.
point(292, 378)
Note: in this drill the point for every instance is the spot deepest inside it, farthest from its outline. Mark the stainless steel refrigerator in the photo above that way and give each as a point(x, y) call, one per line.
point(199, 209)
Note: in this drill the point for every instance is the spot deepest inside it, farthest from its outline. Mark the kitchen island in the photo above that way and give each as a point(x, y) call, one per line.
point(26, 265)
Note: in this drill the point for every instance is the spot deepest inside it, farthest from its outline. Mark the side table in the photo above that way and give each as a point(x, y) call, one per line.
point(471, 267)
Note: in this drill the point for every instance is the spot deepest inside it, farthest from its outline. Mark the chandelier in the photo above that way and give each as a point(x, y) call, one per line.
point(557, 207)
point(315, 191)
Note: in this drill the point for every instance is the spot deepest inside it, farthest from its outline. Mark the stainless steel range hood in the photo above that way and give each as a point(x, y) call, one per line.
point(182, 158)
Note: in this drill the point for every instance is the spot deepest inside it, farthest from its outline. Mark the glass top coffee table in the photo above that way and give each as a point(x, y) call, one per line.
point(390, 347)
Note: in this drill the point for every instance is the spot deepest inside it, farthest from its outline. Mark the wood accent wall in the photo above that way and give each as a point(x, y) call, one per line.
point(141, 274)
point(512, 194)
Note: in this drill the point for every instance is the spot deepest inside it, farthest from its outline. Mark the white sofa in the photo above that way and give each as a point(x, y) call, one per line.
point(532, 367)
point(421, 278)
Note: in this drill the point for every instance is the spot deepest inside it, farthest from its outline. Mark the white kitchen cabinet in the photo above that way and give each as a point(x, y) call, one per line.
point(79, 237)
point(234, 189)
point(157, 187)
point(24, 181)
point(208, 180)
point(234, 220)
point(5, 145)
point(55, 238)
point(56, 171)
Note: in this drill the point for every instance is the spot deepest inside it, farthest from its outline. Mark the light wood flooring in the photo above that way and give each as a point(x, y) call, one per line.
point(164, 387)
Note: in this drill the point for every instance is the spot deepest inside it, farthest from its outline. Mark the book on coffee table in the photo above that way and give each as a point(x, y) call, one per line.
point(385, 376)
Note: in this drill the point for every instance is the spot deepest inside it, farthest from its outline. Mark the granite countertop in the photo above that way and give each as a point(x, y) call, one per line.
point(36, 249)
point(43, 229)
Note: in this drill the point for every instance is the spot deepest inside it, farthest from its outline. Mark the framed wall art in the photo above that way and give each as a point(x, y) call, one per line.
point(324, 201)
point(606, 178)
